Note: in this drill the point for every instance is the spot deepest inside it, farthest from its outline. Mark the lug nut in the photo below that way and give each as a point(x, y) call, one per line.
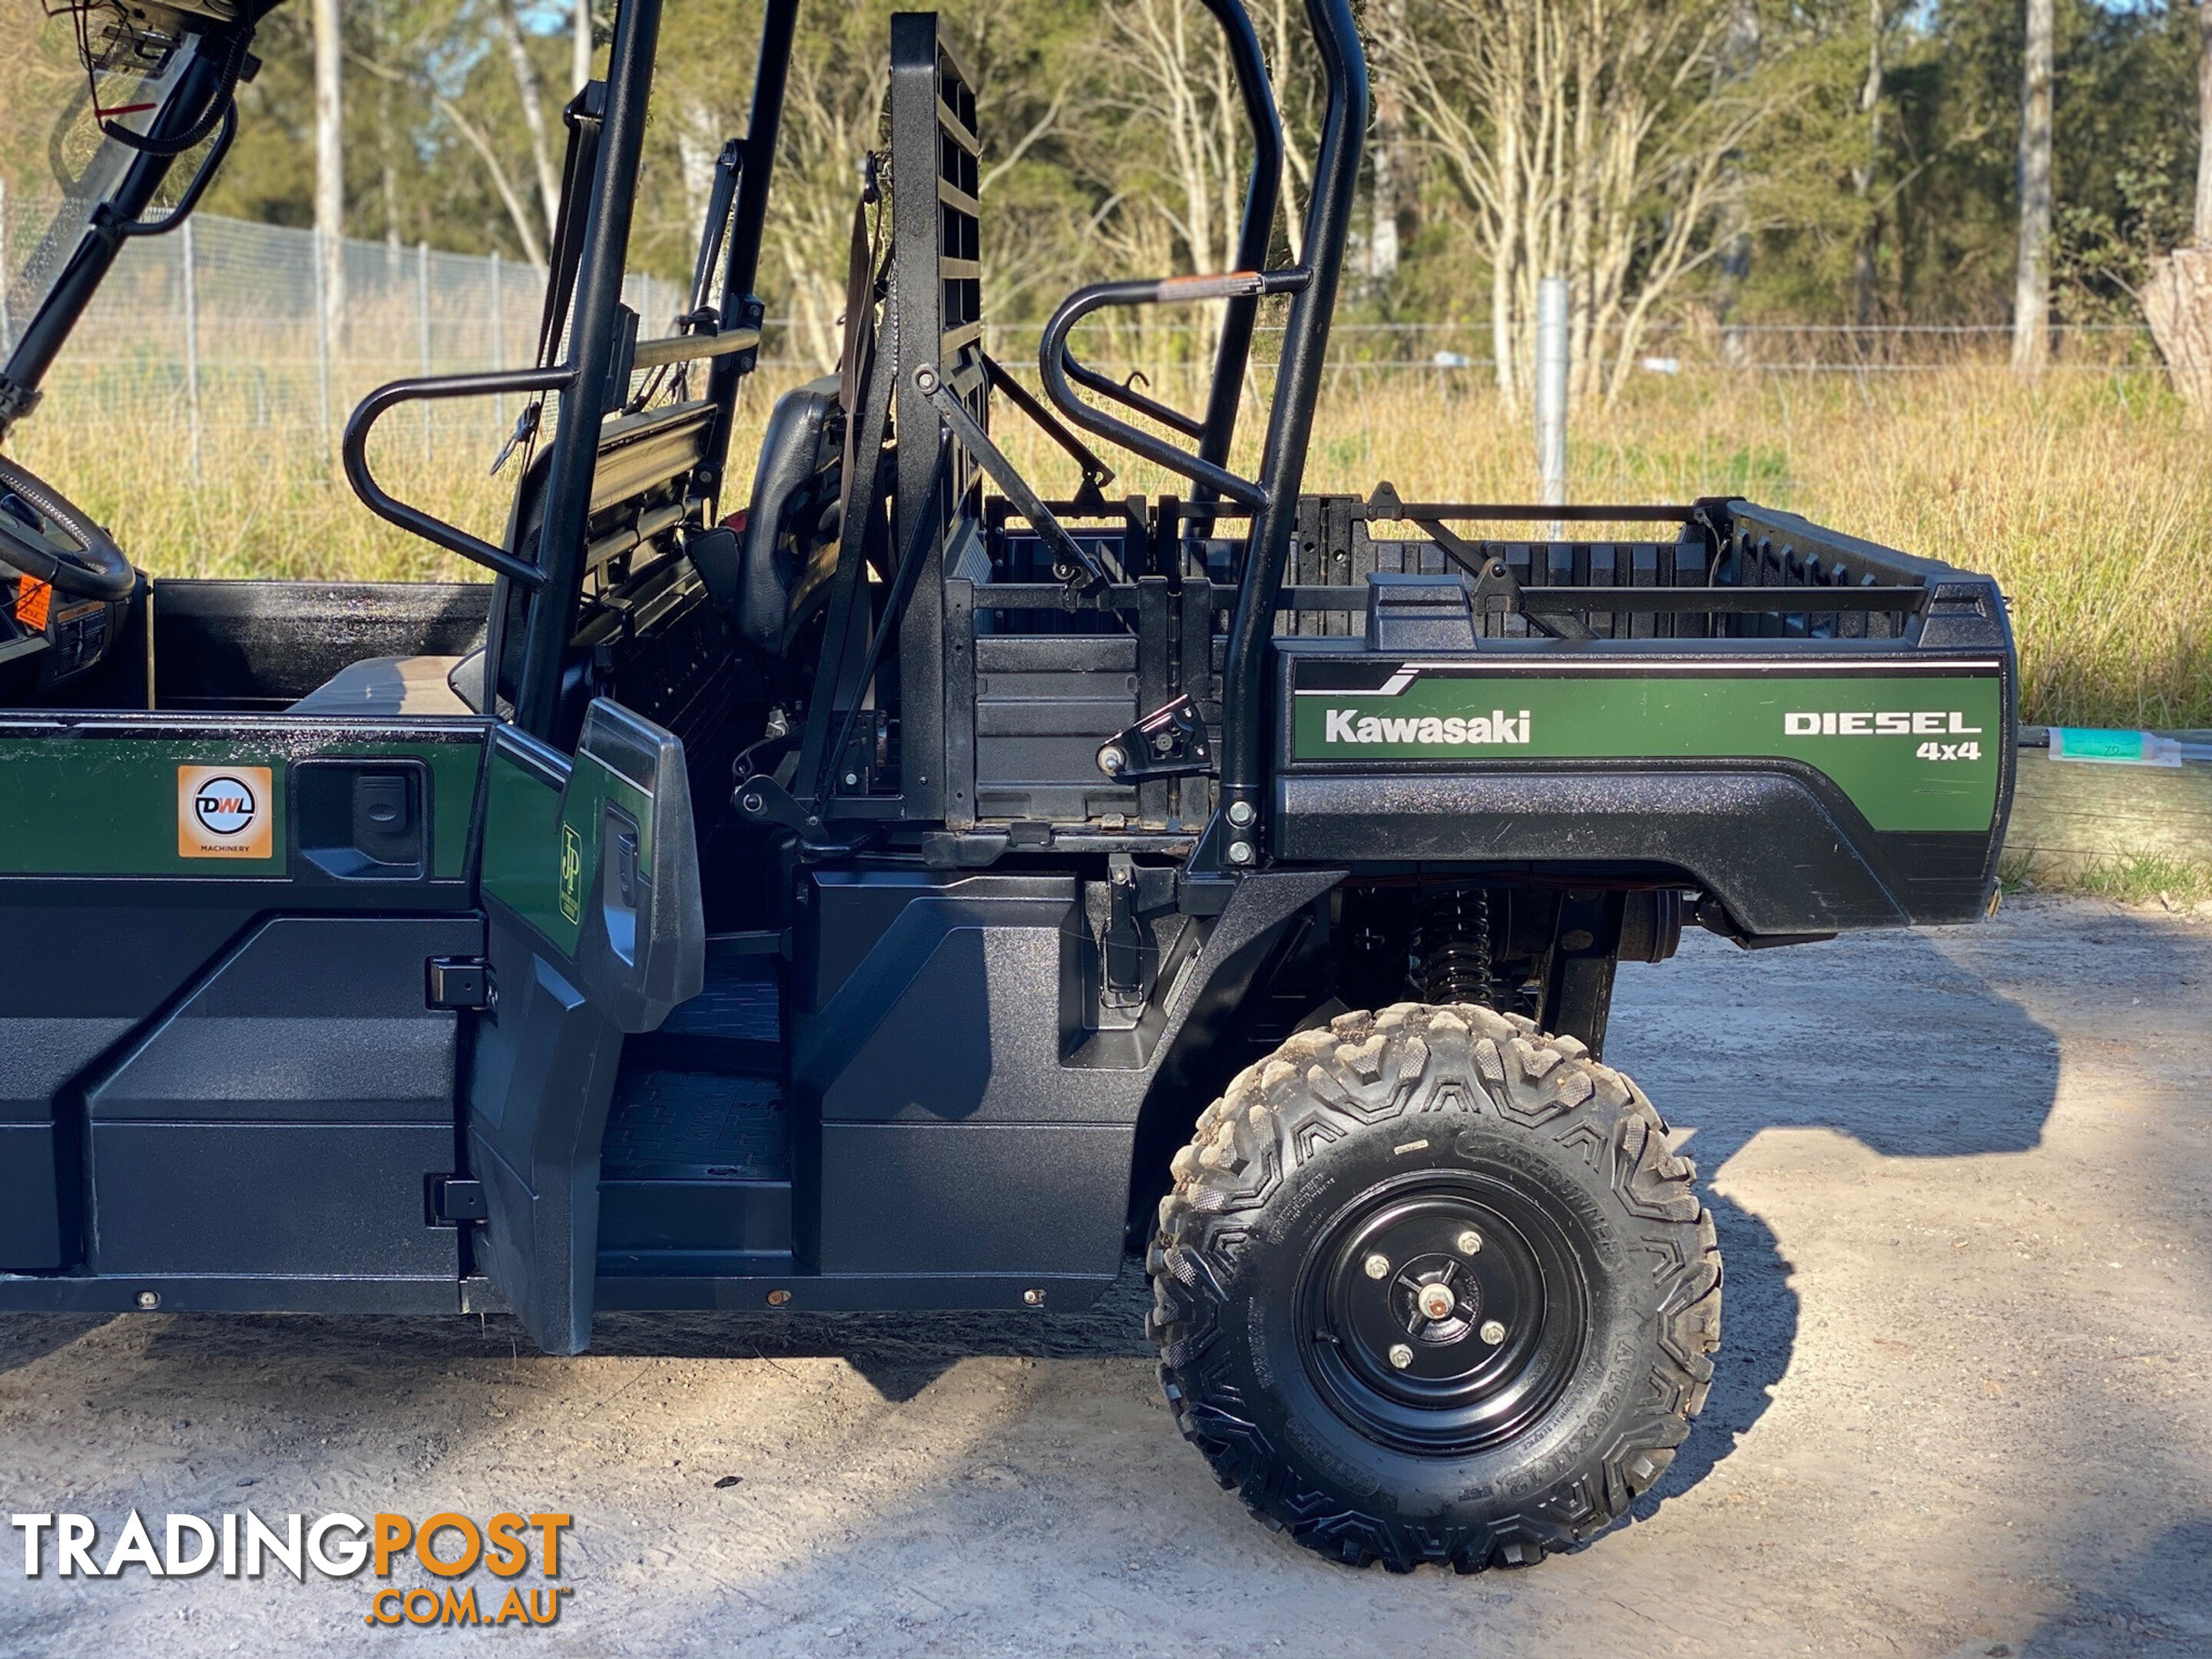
point(1436, 1302)
point(1469, 1241)
point(1402, 1356)
point(1378, 1267)
point(1492, 1332)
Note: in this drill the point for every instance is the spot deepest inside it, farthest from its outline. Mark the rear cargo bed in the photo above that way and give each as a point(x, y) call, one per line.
point(1815, 729)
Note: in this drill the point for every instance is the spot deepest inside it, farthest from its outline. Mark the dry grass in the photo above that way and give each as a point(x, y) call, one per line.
point(2087, 495)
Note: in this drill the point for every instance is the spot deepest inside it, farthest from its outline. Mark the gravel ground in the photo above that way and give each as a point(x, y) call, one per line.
point(1962, 1186)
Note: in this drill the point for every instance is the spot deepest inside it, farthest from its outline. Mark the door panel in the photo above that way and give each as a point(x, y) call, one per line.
point(590, 882)
point(194, 962)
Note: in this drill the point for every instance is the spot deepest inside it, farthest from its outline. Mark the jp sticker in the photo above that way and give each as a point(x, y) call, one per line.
point(224, 811)
point(572, 873)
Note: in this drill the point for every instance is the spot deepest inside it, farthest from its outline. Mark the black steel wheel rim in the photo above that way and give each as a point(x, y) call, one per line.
point(1426, 1344)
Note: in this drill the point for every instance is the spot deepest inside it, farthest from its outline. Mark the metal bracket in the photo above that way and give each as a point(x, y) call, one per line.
point(456, 1199)
point(1077, 565)
point(1170, 742)
point(1496, 591)
point(762, 800)
point(455, 983)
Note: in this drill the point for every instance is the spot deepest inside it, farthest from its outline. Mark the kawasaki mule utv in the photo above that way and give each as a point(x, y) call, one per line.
point(845, 886)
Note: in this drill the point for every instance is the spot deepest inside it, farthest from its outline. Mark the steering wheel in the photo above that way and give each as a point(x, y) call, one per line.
point(44, 535)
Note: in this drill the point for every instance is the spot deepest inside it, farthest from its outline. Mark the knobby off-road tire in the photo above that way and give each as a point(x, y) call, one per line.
point(1326, 1197)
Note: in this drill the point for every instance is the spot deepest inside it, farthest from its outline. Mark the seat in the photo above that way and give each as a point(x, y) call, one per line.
point(792, 511)
point(389, 685)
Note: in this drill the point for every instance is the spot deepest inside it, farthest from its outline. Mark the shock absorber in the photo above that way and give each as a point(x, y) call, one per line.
point(1451, 945)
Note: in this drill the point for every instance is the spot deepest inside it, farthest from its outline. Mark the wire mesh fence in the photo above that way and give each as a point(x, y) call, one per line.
point(218, 326)
point(221, 322)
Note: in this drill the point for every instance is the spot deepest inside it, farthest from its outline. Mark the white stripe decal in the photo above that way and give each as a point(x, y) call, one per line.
point(1408, 672)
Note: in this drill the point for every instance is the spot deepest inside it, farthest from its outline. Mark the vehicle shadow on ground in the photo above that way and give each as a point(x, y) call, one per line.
point(26, 1339)
point(898, 1354)
point(1928, 1060)
point(2156, 1603)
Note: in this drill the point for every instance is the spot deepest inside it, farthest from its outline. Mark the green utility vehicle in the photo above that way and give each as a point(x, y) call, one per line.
point(845, 885)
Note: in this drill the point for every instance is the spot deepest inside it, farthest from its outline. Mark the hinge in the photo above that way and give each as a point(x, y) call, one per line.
point(458, 982)
point(1170, 742)
point(456, 1199)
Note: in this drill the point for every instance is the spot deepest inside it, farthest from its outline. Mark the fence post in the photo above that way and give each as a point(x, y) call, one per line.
point(192, 341)
point(321, 325)
point(498, 341)
point(1552, 392)
point(422, 315)
point(7, 329)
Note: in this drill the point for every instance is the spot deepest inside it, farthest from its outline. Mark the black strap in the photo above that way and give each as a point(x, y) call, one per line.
point(584, 115)
point(856, 356)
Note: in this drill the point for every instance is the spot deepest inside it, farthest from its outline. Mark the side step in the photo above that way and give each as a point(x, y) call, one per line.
point(696, 1162)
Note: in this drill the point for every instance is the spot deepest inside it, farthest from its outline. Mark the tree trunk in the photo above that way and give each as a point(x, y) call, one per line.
point(527, 87)
point(579, 66)
point(1388, 155)
point(2031, 304)
point(2204, 123)
point(2176, 302)
point(329, 168)
point(1865, 258)
point(388, 164)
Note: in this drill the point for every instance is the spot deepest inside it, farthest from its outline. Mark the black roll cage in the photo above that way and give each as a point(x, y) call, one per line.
point(597, 348)
point(204, 103)
point(602, 344)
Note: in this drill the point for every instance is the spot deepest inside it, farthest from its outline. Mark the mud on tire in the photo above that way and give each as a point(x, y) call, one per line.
point(1347, 1188)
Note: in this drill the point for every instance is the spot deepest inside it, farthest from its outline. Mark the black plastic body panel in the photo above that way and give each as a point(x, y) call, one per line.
point(638, 1219)
point(955, 1015)
point(974, 1197)
point(82, 979)
point(1783, 858)
point(30, 1197)
point(966, 1120)
point(543, 1076)
point(281, 1120)
point(270, 1199)
point(310, 1018)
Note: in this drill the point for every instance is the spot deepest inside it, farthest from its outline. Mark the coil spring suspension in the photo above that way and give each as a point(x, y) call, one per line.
point(1451, 946)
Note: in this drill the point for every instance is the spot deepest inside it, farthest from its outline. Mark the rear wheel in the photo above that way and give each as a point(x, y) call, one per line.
point(1430, 1287)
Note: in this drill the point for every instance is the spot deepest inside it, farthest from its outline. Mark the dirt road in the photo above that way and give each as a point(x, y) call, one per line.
point(1964, 1183)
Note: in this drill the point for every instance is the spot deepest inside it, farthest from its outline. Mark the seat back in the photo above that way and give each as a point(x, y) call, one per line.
point(793, 513)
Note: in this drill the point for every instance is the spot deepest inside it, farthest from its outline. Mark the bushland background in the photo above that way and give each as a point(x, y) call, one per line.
point(1796, 235)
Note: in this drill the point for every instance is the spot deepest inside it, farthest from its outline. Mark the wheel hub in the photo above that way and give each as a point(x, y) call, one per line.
point(1437, 1300)
point(1443, 1317)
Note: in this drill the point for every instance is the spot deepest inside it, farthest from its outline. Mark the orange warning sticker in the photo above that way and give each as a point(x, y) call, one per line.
point(224, 811)
point(33, 598)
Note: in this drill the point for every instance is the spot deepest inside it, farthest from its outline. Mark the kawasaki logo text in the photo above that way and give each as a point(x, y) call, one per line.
point(1350, 725)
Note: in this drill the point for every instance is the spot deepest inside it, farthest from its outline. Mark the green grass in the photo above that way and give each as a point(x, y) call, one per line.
point(2139, 878)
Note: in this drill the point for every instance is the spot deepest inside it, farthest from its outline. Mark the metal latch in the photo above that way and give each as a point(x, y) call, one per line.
point(1170, 742)
point(458, 982)
point(1127, 945)
point(456, 1199)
